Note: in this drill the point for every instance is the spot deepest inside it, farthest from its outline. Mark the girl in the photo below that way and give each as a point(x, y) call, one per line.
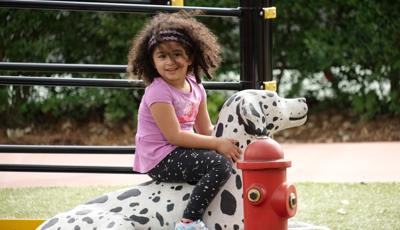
point(169, 54)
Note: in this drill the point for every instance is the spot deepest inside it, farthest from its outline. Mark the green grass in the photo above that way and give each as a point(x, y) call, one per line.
point(44, 202)
point(350, 206)
point(338, 206)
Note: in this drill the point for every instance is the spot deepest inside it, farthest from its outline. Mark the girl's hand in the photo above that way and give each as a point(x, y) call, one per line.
point(228, 148)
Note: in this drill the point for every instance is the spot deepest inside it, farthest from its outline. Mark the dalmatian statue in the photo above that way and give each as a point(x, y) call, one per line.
point(246, 115)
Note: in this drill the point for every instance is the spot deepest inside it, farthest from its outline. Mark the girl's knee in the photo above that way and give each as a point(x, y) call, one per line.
point(226, 168)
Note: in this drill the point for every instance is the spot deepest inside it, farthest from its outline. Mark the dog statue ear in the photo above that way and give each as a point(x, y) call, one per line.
point(251, 114)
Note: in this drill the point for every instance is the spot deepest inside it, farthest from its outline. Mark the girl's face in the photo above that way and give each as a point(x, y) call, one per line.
point(171, 61)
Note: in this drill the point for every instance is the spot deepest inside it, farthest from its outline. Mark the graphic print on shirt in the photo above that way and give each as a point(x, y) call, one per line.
point(189, 112)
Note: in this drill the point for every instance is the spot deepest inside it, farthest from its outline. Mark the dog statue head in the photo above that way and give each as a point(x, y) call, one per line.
point(259, 113)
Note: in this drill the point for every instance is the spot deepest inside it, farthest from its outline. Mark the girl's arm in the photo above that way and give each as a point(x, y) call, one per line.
point(203, 123)
point(164, 116)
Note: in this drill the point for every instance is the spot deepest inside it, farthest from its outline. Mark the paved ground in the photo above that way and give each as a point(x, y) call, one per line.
point(338, 162)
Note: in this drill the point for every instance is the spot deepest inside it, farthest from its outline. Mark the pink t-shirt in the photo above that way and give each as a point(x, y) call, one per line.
point(151, 145)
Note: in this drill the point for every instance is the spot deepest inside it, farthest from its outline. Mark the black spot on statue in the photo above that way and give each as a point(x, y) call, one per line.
point(77, 227)
point(179, 187)
point(218, 227)
point(156, 199)
point(253, 110)
point(274, 103)
point(238, 182)
point(235, 227)
point(146, 183)
point(275, 118)
point(117, 209)
point(270, 95)
point(249, 126)
point(160, 218)
point(133, 204)
point(270, 126)
point(186, 196)
point(100, 200)
point(220, 130)
point(88, 220)
point(209, 213)
point(129, 193)
point(260, 104)
point(170, 207)
point(139, 219)
point(50, 223)
point(144, 211)
point(70, 221)
point(230, 100)
point(228, 203)
point(111, 225)
point(230, 118)
point(83, 212)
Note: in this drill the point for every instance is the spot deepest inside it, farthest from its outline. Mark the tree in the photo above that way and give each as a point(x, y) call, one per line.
point(353, 43)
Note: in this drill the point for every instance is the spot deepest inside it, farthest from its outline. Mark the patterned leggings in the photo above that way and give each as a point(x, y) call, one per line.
point(206, 168)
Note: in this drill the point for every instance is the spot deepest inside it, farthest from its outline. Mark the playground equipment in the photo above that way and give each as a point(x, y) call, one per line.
point(265, 113)
point(256, 67)
point(268, 199)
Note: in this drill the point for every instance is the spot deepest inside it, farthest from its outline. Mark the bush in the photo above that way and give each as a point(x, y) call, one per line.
point(349, 49)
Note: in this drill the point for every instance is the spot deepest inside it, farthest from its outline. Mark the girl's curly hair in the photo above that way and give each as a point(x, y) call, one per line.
point(204, 50)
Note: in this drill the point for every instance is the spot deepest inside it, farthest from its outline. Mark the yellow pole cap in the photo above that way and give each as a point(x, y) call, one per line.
point(177, 3)
point(269, 12)
point(270, 85)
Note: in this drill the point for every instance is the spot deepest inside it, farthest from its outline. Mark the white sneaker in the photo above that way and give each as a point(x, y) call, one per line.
point(195, 225)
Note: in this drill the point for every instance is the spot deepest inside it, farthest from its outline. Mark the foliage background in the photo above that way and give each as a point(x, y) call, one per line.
point(342, 54)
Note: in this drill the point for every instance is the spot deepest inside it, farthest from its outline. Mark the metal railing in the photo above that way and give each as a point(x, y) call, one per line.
point(255, 60)
point(113, 7)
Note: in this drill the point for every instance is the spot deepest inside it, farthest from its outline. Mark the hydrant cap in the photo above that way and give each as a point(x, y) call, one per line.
point(263, 150)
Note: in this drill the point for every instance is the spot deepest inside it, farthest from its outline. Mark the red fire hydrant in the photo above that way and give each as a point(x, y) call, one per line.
point(269, 201)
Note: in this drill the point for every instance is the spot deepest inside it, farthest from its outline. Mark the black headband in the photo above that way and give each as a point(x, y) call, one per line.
point(169, 35)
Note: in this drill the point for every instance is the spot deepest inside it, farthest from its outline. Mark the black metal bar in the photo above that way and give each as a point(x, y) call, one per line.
point(68, 149)
point(66, 169)
point(81, 82)
point(113, 7)
point(125, 1)
point(61, 67)
point(95, 82)
point(255, 44)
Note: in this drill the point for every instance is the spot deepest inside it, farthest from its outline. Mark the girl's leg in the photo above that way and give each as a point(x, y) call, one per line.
point(207, 168)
